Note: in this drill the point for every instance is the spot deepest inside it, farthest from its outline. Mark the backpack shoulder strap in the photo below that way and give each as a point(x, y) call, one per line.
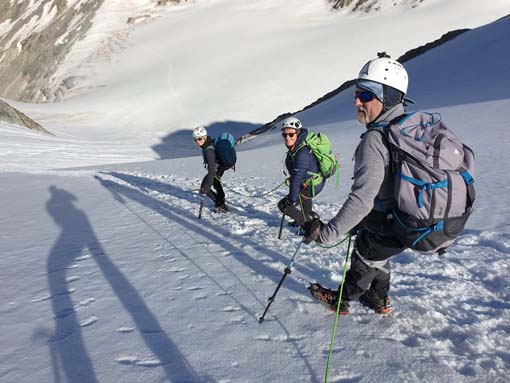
point(208, 147)
point(303, 144)
point(383, 130)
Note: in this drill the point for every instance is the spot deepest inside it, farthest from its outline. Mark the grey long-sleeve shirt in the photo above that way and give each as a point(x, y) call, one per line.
point(372, 179)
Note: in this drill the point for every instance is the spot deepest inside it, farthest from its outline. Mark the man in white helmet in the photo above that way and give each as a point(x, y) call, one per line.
point(379, 100)
point(301, 164)
point(214, 170)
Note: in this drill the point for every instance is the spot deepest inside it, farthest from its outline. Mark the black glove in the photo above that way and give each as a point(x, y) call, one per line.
point(288, 202)
point(284, 203)
point(354, 230)
point(312, 230)
point(204, 189)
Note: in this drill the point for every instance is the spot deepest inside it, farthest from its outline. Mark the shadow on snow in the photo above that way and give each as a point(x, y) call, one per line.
point(67, 346)
point(180, 143)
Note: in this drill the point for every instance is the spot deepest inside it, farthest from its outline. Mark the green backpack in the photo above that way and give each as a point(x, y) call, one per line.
point(320, 145)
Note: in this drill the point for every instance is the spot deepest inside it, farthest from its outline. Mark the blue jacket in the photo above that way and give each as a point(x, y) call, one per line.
point(300, 163)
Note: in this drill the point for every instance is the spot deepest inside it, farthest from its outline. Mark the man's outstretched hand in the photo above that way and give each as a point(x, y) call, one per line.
point(312, 230)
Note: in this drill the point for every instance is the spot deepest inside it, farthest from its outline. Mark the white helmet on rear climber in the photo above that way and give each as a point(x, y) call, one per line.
point(199, 131)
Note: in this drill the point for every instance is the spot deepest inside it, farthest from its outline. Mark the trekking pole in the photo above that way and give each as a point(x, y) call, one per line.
point(201, 206)
point(281, 226)
point(337, 310)
point(286, 272)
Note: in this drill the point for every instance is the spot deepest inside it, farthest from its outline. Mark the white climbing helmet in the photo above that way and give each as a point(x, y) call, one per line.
point(199, 131)
point(292, 123)
point(386, 71)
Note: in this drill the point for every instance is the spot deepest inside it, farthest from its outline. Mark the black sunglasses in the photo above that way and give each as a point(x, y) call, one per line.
point(198, 138)
point(364, 96)
point(288, 135)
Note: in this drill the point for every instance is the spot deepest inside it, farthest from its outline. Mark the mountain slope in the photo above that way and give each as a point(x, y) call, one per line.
point(160, 77)
point(110, 277)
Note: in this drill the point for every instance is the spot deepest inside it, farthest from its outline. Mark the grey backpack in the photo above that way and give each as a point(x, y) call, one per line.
point(434, 189)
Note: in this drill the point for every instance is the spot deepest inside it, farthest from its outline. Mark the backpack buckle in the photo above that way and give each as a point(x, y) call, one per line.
point(468, 179)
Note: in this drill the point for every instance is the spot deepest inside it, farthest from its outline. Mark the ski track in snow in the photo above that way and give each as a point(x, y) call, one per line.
point(451, 285)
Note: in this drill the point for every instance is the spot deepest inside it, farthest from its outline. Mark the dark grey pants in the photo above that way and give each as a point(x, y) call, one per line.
point(293, 212)
point(362, 278)
point(217, 197)
point(374, 242)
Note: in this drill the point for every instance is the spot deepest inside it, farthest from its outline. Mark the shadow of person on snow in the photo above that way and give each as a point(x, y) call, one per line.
point(187, 221)
point(77, 237)
point(179, 143)
point(165, 188)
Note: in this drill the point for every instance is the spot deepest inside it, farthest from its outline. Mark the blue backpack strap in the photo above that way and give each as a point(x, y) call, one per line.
point(424, 230)
point(468, 179)
point(423, 186)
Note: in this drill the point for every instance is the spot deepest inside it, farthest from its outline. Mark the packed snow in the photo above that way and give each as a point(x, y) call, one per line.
point(109, 276)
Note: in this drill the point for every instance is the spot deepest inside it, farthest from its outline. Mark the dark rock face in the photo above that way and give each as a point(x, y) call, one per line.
point(13, 116)
point(368, 6)
point(35, 37)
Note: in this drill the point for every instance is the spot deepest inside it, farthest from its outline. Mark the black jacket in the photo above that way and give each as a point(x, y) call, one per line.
point(300, 163)
point(211, 163)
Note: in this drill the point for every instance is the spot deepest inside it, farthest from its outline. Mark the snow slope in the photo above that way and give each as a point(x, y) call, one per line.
point(244, 61)
point(109, 276)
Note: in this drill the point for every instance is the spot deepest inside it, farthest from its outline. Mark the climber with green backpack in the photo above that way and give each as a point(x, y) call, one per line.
point(309, 162)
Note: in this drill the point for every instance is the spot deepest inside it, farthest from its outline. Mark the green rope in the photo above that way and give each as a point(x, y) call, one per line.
point(248, 195)
point(337, 311)
point(335, 245)
point(301, 206)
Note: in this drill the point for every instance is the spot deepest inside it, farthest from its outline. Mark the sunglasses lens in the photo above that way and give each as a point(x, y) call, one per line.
point(365, 96)
point(288, 135)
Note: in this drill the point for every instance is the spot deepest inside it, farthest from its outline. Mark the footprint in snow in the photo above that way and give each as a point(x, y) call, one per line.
point(166, 257)
point(61, 336)
point(88, 322)
point(83, 257)
point(238, 320)
point(222, 293)
point(192, 288)
point(85, 302)
point(41, 298)
point(230, 309)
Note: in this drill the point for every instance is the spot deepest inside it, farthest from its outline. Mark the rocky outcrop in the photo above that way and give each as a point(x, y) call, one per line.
point(13, 116)
point(35, 37)
point(368, 6)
